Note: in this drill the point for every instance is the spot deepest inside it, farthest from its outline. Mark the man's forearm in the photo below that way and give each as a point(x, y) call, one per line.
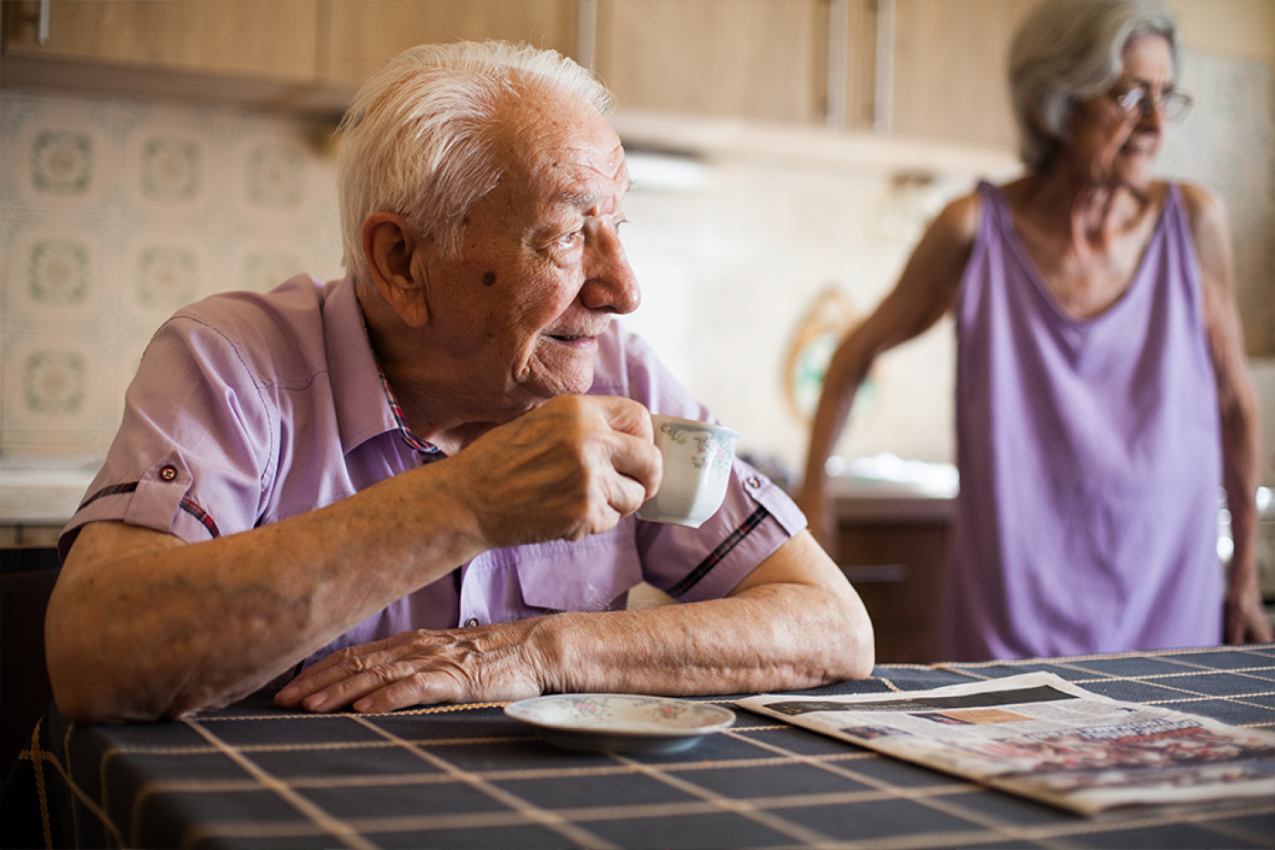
point(777, 638)
point(795, 622)
point(141, 626)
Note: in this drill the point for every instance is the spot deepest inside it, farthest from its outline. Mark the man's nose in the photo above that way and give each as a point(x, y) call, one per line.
point(609, 282)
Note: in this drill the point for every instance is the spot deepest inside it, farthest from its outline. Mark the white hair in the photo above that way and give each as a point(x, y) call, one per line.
point(1069, 50)
point(416, 141)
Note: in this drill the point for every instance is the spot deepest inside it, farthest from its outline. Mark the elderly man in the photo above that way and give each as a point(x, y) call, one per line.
point(417, 484)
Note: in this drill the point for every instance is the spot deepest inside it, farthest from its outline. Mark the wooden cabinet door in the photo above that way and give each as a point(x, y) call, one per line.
point(760, 59)
point(950, 69)
point(274, 40)
point(897, 568)
point(364, 33)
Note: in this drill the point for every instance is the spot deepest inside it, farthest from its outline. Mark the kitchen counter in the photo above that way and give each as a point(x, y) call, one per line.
point(862, 500)
point(47, 494)
point(885, 488)
point(892, 520)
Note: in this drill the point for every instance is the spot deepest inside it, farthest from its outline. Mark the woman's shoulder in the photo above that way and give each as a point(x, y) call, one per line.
point(1206, 217)
point(959, 220)
point(962, 217)
point(1203, 206)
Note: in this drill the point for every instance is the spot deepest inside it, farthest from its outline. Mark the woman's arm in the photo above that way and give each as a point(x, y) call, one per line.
point(925, 292)
point(1244, 620)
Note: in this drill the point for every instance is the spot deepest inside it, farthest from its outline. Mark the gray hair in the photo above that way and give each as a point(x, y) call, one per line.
point(416, 141)
point(1069, 50)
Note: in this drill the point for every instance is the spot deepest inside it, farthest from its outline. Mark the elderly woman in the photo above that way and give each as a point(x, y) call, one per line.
point(1101, 391)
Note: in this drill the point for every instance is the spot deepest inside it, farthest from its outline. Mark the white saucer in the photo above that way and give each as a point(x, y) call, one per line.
point(620, 723)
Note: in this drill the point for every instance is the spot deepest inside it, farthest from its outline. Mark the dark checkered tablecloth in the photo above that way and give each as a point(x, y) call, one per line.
point(467, 776)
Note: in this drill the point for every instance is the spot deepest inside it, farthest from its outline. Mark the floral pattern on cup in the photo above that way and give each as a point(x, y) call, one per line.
point(713, 451)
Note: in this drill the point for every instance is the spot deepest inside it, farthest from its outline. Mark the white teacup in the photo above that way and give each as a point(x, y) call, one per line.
point(697, 464)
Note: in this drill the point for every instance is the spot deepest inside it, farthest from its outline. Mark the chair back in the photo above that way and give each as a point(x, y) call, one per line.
point(27, 576)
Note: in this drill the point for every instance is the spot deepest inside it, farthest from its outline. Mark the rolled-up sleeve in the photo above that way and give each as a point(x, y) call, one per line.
point(756, 517)
point(692, 564)
point(196, 436)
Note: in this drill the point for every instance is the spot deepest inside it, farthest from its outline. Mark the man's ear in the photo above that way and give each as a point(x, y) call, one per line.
point(389, 245)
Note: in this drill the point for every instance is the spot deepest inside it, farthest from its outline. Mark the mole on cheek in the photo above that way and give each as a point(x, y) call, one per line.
point(489, 278)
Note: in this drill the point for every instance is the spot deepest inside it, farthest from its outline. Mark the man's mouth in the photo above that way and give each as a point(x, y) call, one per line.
point(576, 335)
point(573, 341)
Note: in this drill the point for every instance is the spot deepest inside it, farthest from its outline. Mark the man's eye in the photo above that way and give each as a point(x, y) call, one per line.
point(568, 240)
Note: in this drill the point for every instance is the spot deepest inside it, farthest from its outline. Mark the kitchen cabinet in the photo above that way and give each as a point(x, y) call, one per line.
point(364, 33)
point(949, 70)
point(762, 60)
point(766, 60)
point(755, 59)
point(895, 559)
point(276, 41)
point(301, 53)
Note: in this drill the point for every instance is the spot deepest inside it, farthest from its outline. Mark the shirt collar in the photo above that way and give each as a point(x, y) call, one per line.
point(404, 430)
point(363, 412)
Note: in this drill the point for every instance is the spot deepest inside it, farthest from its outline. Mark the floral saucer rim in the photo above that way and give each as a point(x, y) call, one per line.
point(620, 722)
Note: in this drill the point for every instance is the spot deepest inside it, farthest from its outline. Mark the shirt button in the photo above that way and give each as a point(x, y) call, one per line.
point(168, 473)
point(471, 622)
point(754, 482)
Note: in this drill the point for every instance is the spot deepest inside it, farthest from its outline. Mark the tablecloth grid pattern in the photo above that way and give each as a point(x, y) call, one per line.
point(470, 777)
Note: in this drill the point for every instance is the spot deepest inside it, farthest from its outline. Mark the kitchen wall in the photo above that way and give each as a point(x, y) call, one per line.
point(114, 212)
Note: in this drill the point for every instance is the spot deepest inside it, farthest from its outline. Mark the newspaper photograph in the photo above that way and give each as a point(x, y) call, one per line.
point(1043, 737)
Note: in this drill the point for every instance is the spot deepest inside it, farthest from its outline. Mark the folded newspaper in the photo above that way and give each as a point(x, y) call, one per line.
point(1040, 736)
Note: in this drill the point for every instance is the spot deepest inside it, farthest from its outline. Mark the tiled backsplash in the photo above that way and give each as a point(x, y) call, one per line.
point(114, 212)
point(1227, 143)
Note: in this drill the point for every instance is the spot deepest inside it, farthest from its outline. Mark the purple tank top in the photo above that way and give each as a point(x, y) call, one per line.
point(1090, 458)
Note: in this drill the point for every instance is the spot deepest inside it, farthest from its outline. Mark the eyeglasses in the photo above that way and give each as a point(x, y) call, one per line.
point(1173, 104)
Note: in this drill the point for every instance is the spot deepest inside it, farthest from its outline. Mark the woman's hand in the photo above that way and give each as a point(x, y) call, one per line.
point(1244, 617)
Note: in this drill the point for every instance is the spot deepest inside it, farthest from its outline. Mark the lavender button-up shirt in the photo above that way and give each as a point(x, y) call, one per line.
point(249, 409)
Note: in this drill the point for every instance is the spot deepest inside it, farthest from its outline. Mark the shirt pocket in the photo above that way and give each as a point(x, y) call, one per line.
point(594, 574)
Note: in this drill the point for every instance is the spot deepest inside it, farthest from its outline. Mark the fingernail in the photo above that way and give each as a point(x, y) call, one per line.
point(363, 705)
point(289, 693)
point(316, 701)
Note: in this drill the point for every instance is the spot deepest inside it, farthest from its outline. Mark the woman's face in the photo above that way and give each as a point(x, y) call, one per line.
point(1111, 145)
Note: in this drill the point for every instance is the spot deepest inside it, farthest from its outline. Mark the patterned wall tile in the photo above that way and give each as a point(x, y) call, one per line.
point(53, 388)
point(261, 266)
point(160, 272)
point(54, 273)
point(272, 176)
point(59, 160)
point(170, 169)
